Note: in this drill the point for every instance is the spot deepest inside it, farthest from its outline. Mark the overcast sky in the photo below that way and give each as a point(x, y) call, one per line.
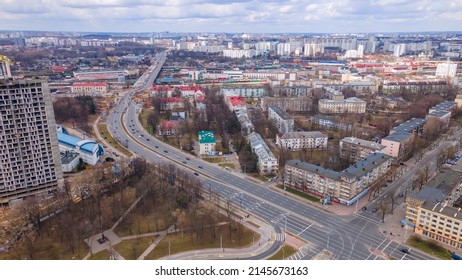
point(265, 16)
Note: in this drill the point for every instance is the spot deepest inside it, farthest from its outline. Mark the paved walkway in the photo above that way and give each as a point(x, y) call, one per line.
point(260, 245)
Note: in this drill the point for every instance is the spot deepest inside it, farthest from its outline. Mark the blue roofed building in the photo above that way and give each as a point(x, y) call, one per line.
point(89, 150)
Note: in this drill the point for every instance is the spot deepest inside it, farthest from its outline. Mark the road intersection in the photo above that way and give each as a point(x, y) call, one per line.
point(346, 237)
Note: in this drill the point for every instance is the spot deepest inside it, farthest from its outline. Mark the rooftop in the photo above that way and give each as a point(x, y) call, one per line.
point(303, 134)
point(410, 125)
point(67, 157)
point(366, 165)
point(281, 113)
point(357, 170)
point(443, 209)
point(398, 136)
point(206, 137)
point(347, 100)
point(362, 143)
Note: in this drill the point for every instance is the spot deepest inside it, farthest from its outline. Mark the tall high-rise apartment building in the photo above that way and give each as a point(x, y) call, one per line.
point(29, 155)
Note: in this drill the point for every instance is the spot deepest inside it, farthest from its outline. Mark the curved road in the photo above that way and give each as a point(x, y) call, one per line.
point(346, 237)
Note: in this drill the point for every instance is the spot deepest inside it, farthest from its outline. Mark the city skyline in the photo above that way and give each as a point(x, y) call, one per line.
point(233, 16)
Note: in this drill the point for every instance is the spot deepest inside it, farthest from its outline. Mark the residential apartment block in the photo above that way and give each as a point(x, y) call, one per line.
point(289, 104)
point(348, 105)
point(398, 145)
point(298, 140)
point(346, 186)
point(356, 149)
point(267, 162)
point(29, 155)
point(283, 122)
point(244, 92)
point(328, 122)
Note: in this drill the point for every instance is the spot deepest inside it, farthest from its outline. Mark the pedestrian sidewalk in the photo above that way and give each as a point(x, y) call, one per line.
point(261, 245)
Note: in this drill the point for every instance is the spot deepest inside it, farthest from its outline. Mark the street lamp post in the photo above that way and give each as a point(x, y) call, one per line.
point(169, 246)
point(283, 252)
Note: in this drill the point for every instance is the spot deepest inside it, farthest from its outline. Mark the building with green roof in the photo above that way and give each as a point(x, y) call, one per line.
point(207, 142)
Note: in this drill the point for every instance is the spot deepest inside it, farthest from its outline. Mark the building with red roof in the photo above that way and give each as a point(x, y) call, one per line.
point(167, 128)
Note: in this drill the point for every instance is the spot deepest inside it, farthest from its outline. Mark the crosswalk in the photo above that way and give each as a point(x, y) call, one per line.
point(280, 237)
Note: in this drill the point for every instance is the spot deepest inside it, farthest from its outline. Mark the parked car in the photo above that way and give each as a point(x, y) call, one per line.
point(404, 250)
point(195, 173)
point(374, 210)
point(364, 208)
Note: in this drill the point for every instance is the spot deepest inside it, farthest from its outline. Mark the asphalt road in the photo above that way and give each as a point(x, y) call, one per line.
point(346, 237)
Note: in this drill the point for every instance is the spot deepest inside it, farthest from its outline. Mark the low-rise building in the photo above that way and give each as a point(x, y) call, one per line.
point(69, 160)
point(432, 217)
point(298, 140)
point(267, 162)
point(414, 125)
point(348, 105)
point(244, 92)
point(171, 103)
point(398, 144)
point(346, 186)
point(207, 142)
point(283, 122)
point(329, 123)
point(356, 149)
point(235, 103)
point(289, 104)
point(244, 119)
point(90, 151)
point(89, 88)
point(167, 128)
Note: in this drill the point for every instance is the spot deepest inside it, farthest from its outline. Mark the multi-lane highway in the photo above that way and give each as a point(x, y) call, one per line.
point(354, 237)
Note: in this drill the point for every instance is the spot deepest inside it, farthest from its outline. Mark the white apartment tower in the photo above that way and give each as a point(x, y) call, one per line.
point(311, 49)
point(446, 70)
point(29, 154)
point(399, 50)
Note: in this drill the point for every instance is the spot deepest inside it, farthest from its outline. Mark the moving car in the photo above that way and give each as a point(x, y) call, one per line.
point(364, 208)
point(374, 210)
point(195, 173)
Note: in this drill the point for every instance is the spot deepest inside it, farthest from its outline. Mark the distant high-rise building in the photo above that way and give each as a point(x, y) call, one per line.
point(371, 44)
point(399, 50)
point(283, 49)
point(312, 49)
point(446, 70)
point(360, 53)
point(29, 155)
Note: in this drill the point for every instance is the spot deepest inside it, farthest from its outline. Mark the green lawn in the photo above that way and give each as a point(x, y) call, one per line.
point(102, 128)
point(230, 165)
point(280, 255)
point(213, 160)
point(299, 193)
point(133, 248)
point(429, 247)
point(178, 245)
point(260, 177)
point(143, 117)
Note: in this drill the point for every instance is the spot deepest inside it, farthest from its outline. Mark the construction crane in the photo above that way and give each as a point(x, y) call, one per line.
point(5, 61)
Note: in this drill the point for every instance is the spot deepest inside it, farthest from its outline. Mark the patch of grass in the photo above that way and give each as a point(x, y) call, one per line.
point(212, 160)
point(192, 242)
point(429, 247)
point(143, 118)
point(103, 131)
point(103, 255)
point(283, 253)
point(299, 193)
point(230, 165)
point(133, 248)
point(260, 177)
